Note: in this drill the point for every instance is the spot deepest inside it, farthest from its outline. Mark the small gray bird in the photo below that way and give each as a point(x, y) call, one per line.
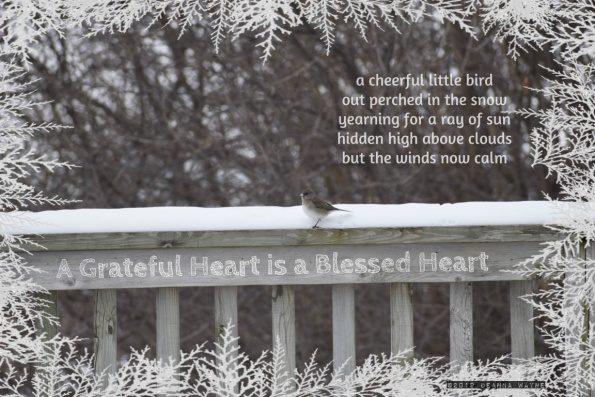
point(316, 208)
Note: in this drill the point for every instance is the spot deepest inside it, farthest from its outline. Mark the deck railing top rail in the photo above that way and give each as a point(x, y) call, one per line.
point(172, 219)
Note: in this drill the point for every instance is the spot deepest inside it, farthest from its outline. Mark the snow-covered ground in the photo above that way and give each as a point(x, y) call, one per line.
point(252, 218)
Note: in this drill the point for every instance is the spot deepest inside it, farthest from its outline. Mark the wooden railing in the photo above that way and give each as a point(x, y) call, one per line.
point(503, 245)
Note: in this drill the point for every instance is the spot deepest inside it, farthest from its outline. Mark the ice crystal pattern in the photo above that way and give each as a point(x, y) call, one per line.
point(563, 143)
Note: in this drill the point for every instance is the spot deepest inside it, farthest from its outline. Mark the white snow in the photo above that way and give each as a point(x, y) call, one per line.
point(157, 219)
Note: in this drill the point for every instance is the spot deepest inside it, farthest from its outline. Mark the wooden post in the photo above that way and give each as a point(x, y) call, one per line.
point(344, 328)
point(106, 331)
point(401, 315)
point(522, 338)
point(168, 324)
point(461, 322)
point(284, 324)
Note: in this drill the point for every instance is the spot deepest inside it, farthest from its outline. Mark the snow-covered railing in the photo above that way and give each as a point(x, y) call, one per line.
point(167, 248)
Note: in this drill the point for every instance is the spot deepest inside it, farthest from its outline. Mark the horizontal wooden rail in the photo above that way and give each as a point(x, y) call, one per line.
point(300, 237)
point(351, 264)
point(284, 257)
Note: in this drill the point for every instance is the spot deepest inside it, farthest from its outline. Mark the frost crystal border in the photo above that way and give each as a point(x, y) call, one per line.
point(564, 143)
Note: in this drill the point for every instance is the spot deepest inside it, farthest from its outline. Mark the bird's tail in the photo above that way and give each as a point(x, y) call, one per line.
point(339, 209)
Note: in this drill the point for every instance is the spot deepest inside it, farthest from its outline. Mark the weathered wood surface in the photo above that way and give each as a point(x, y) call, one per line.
point(226, 310)
point(226, 314)
point(106, 331)
point(168, 324)
point(522, 337)
point(501, 255)
point(250, 238)
point(344, 328)
point(461, 322)
point(575, 332)
point(48, 328)
point(284, 324)
point(401, 319)
point(590, 255)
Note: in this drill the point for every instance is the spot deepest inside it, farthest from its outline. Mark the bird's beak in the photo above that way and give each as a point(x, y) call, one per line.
point(301, 194)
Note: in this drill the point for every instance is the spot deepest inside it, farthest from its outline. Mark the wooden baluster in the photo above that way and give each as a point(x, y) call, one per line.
point(226, 314)
point(401, 319)
point(461, 322)
point(106, 331)
point(168, 324)
point(45, 327)
point(284, 324)
point(226, 310)
point(522, 338)
point(344, 328)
